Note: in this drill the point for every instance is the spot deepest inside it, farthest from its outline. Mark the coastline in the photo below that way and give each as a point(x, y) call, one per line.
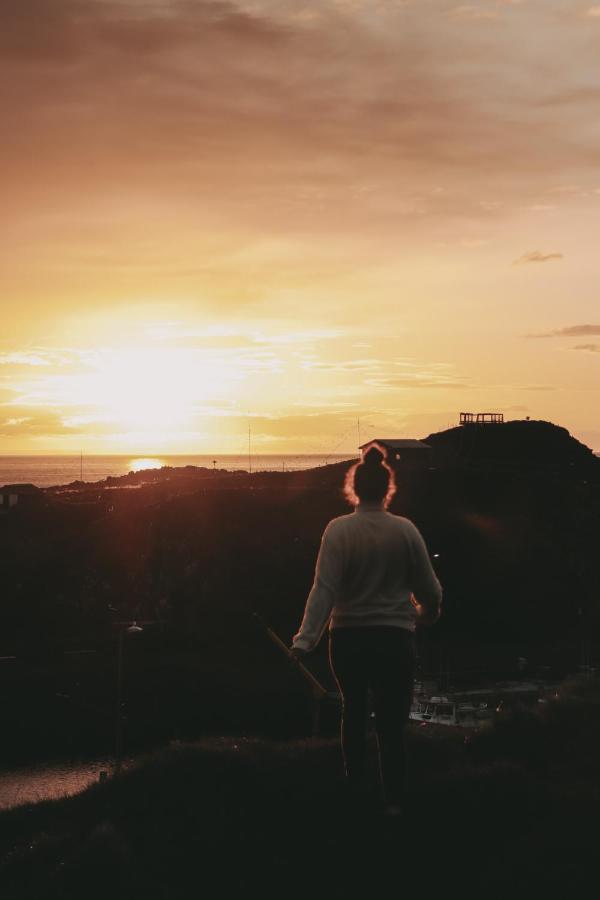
point(60, 469)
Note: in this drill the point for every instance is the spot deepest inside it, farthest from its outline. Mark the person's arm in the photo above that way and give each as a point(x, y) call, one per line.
point(423, 581)
point(323, 594)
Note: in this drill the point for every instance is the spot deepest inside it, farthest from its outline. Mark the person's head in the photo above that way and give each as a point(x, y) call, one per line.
point(371, 480)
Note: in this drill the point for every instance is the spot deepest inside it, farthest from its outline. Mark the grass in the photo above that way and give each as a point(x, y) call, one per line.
point(510, 813)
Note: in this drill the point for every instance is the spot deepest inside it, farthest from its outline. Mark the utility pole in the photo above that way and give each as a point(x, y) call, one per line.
point(125, 628)
point(249, 450)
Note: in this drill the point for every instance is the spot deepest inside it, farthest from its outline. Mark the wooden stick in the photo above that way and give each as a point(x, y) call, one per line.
point(317, 687)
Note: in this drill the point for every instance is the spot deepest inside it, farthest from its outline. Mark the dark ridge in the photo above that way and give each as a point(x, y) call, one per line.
point(526, 443)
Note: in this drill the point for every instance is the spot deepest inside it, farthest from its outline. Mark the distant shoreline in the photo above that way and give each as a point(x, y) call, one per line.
point(52, 470)
point(173, 455)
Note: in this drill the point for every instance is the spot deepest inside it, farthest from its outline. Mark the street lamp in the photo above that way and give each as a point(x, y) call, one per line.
point(124, 628)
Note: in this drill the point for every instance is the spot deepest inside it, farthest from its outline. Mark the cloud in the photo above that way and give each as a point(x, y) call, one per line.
point(212, 113)
point(415, 374)
point(536, 257)
point(60, 33)
point(329, 404)
point(578, 330)
point(591, 348)
point(23, 359)
point(299, 337)
point(473, 13)
point(34, 423)
point(351, 365)
point(419, 380)
point(569, 331)
point(53, 358)
point(180, 334)
point(14, 422)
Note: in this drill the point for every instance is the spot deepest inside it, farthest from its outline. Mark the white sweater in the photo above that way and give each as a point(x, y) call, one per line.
point(369, 565)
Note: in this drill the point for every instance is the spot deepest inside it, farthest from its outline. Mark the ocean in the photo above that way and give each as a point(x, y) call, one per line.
point(45, 471)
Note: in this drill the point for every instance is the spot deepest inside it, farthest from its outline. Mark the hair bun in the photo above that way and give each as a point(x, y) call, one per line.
point(373, 457)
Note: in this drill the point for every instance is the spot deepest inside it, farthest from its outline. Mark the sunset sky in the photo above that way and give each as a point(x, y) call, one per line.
point(293, 214)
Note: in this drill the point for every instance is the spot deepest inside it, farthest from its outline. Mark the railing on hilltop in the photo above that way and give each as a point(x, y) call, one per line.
point(468, 418)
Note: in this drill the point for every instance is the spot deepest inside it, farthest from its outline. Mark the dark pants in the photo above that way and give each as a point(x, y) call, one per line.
point(382, 660)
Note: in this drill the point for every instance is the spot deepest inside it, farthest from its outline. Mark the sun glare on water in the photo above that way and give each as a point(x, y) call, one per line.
point(145, 462)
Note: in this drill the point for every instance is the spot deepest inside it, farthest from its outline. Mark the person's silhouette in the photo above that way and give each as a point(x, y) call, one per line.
point(373, 583)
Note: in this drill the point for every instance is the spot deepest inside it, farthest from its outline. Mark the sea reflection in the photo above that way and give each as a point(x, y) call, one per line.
point(145, 462)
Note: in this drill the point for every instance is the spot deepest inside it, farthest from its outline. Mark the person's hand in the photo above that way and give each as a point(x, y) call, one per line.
point(296, 654)
point(427, 618)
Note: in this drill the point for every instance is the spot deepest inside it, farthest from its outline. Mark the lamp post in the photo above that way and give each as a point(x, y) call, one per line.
point(124, 628)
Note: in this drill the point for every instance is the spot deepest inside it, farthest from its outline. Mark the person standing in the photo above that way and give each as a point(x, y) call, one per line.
point(373, 584)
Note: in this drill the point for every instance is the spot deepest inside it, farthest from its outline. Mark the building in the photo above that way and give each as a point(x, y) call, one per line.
point(402, 451)
point(12, 495)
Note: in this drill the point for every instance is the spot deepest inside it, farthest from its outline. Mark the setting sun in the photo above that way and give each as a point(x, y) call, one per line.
point(140, 389)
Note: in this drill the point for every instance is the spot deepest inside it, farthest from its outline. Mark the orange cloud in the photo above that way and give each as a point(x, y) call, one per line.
point(569, 331)
point(536, 257)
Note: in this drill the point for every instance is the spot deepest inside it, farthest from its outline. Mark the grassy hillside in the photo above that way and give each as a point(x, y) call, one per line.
point(510, 813)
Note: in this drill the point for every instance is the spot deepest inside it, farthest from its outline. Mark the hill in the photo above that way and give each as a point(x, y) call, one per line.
point(524, 444)
point(508, 814)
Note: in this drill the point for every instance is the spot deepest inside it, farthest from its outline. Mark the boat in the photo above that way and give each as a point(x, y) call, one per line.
point(473, 708)
point(443, 710)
